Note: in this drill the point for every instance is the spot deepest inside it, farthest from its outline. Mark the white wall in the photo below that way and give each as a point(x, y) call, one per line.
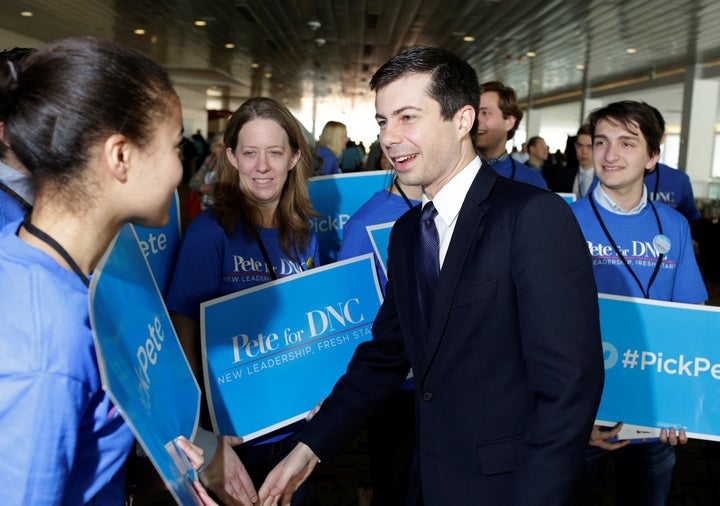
point(195, 115)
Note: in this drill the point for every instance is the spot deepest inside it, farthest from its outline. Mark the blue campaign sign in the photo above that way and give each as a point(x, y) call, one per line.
point(568, 197)
point(141, 363)
point(662, 365)
point(159, 245)
point(336, 198)
point(380, 239)
point(272, 352)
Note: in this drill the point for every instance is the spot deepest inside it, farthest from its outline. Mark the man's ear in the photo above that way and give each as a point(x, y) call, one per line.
point(510, 122)
point(117, 153)
point(652, 163)
point(466, 117)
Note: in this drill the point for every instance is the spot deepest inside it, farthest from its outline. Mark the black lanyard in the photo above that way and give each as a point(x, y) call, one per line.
point(658, 263)
point(33, 230)
point(402, 194)
point(23, 203)
point(265, 255)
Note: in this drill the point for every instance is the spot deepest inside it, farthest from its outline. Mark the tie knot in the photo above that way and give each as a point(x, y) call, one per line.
point(429, 212)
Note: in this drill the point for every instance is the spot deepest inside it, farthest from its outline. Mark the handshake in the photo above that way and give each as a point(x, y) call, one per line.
point(226, 476)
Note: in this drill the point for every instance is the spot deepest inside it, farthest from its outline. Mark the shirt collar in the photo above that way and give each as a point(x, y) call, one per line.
point(606, 202)
point(498, 159)
point(450, 198)
point(20, 183)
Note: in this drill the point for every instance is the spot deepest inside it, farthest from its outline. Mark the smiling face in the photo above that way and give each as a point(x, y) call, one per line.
point(424, 148)
point(621, 157)
point(492, 127)
point(263, 158)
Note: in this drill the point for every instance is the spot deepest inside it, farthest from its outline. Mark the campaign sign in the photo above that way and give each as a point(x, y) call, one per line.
point(159, 245)
point(380, 239)
point(662, 365)
point(142, 366)
point(336, 198)
point(568, 197)
point(272, 352)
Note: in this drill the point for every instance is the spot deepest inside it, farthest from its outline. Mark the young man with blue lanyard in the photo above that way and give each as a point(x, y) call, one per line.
point(639, 248)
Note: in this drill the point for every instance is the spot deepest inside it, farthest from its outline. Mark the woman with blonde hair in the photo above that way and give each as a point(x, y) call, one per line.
point(330, 147)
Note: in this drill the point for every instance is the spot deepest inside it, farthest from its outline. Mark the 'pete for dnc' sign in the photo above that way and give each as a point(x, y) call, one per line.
point(142, 365)
point(272, 352)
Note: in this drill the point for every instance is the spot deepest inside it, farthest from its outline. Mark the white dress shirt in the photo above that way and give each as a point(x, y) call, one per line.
point(448, 202)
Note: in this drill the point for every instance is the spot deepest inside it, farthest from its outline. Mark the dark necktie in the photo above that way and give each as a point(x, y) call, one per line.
point(427, 263)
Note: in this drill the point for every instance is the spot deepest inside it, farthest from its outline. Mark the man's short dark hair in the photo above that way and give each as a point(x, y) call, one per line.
point(454, 83)
point(627, 112)
point(507, 101)
point(532, 141)
point(584, 130)
point(658, 116)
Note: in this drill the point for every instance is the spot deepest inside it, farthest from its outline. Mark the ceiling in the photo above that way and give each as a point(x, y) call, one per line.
point(278, 52)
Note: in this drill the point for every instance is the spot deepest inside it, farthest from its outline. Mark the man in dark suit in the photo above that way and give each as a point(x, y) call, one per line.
point(577, 176)
point(509, 371)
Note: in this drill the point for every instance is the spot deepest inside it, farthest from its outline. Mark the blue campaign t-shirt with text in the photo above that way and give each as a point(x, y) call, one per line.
point(678, 279)
point(210, 264)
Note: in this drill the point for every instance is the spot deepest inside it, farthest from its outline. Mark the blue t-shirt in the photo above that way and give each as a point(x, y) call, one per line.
point(383, 207)
point(508, 165)
point(672, 187)
point(331, 164)
point(210, 264)
point(63, 441)
point(679, 278)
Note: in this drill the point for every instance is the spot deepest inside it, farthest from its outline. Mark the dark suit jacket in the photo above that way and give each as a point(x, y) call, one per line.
point(509, 377)
point(560, 178)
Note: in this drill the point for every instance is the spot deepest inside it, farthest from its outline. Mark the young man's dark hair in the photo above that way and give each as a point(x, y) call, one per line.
point(658, 116)
point(507, 102)
point(629, 113)
point(453, 85)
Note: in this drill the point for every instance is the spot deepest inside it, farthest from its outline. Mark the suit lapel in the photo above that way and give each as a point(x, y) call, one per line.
point(469, 228)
